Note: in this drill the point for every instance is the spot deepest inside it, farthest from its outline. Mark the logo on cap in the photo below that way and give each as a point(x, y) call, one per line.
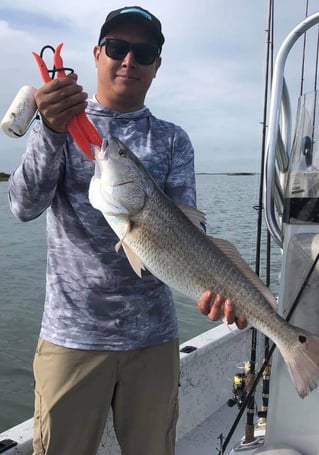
point(137, 10)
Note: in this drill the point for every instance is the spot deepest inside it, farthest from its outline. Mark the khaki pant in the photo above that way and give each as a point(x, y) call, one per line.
point(74, 390)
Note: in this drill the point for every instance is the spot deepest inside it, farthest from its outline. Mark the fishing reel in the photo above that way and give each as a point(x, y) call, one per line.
point(240, 387)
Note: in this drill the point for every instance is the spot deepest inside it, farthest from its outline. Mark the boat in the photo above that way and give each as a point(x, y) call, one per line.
point(220, 372)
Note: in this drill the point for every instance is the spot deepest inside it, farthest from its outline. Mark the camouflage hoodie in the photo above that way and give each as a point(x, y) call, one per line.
point(94, 300)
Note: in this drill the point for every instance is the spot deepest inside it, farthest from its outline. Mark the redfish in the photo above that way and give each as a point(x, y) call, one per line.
point(165, 238)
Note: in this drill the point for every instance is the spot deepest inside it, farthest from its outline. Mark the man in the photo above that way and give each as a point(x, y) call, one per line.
point(108, 338)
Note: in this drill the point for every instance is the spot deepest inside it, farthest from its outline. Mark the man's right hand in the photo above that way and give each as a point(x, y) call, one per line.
point(59, 100)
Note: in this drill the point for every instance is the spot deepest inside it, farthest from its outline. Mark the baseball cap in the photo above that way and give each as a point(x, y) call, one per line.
point(136, 14)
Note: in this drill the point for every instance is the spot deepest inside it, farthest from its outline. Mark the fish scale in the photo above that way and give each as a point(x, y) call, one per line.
point(157, 247)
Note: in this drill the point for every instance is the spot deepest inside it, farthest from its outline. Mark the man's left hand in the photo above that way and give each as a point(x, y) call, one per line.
point(216, 307)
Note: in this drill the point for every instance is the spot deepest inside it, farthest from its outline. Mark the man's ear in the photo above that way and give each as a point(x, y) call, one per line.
point(97, 53)
point(158, 64)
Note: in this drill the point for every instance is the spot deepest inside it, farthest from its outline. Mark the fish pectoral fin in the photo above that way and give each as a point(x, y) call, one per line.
point(136, 263)
point(233, 254)
point(197, 217)
point(128, 227)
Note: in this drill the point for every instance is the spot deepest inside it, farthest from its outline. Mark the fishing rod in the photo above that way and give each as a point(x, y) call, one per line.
point(262, 414)
point(315, 94)
point(309, 149)
point(250, 426)
point(266, 361)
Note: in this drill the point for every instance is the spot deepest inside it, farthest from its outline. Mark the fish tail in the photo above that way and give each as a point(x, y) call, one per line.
point(303, 362)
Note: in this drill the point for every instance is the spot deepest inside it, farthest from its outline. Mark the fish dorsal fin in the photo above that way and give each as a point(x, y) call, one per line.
point(197, 217)
point(232, 253)
point(136, 263)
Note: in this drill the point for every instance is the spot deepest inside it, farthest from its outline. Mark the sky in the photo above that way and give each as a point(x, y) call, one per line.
point(211, 81)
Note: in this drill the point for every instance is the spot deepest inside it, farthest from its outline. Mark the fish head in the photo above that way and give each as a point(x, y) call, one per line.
point(122, 180)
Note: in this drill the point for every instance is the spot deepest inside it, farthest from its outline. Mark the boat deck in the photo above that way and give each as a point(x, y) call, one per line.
point(205, 439)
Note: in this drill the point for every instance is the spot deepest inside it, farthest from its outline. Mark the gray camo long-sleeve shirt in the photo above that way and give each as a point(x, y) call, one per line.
point(94, 300)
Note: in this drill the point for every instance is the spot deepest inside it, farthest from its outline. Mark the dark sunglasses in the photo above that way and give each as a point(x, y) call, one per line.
point(117, 49)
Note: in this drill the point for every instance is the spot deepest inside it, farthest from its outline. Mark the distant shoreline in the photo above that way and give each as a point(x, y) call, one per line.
point(225, 173)
point(4, 177)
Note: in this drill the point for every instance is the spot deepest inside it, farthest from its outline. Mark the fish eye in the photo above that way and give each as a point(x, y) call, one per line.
point(122, 152)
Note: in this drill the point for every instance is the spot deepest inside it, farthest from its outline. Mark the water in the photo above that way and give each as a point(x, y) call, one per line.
point(228, 202)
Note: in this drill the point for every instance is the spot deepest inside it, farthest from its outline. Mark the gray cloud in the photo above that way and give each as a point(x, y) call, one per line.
point(24, 19)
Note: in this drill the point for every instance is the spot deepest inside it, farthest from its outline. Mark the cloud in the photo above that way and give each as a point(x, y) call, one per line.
point(211, 81)
point(20, 19)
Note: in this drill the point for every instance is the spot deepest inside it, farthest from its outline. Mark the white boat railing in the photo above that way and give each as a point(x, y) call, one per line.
point(278, 143)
